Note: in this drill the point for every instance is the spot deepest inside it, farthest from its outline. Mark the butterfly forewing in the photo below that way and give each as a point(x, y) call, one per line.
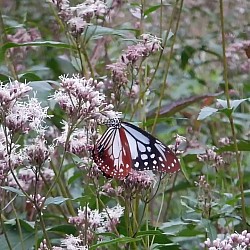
point(148, 153)
point(112, 153)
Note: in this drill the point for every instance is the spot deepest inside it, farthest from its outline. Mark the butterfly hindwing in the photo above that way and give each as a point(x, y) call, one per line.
point(148, 153)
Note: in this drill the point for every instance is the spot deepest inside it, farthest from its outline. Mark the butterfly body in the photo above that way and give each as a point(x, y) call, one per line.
point(124, 146)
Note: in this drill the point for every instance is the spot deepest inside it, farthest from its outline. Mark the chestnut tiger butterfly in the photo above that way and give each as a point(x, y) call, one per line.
point(123, 147)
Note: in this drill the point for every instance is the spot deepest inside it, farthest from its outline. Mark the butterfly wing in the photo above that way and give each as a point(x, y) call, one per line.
point(148, 153)
point(112, 153)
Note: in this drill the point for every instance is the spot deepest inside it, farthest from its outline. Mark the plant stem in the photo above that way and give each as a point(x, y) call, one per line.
point(164, 81)
point(240, 173)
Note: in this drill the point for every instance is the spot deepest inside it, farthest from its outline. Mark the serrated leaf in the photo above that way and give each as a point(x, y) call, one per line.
point(13, 190)
point(205, 112)
point(55, 200)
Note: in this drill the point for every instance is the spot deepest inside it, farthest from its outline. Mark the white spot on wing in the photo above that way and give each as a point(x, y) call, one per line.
point(144, 157)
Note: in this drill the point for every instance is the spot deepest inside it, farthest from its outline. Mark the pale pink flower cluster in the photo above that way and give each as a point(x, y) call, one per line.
point(137, 181)
point(10, 92)
point(26, 116)
point(111, 191)
point(234, 241)
point(97, 222)
point(19, 53)
point(79, 141)
point(132, 55)
point(238, 56)
point(18, 117)
point(212, 157)
point(27, 179)
point(8, 159)
point(35, 199)
point(37, 153)
point(72, 243)
point(80, 16)
point(82, 99)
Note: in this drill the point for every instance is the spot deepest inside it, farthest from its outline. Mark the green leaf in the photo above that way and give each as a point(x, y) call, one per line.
point(243, 145)
point(13, 190)
point(63, 229)
point(96, 32)
point(148, 232)
point(29, 226)
point(122, 240)
point(29, 76)
point(186, 54)
point(205, 112)
point(210, 229)
point(55, 200)
point(228, 112)
point(24, 241)
point(9, 45)
point(173, 227)
point(153, 8)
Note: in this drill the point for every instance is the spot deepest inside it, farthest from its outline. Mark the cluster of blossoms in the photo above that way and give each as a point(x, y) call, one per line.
point(132, 55)
point(80, 16)
point(82, 99)
point(93, 221)
point(238, 56)
point(27, 178)
point(69, 243)
point(211, 157)
point(79, 141)
point(22, 166)
point(234, 241)
point(19, 53)
point(138, 181)
point(111, 191)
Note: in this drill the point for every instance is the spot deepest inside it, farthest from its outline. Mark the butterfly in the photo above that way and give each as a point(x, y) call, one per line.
point(123, 147)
